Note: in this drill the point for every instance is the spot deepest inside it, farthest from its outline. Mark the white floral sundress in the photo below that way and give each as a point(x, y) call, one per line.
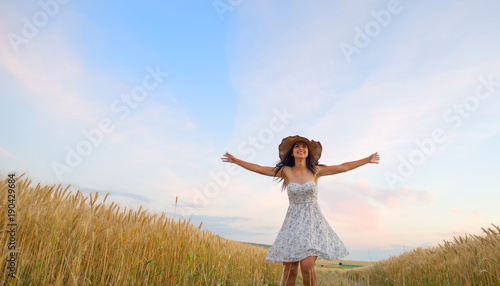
point(305, 230)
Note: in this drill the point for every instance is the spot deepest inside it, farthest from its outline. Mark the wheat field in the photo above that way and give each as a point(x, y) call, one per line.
point(66, 238)
point(466, 260)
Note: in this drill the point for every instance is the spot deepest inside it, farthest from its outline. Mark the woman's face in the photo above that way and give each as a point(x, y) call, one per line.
point(300, 150)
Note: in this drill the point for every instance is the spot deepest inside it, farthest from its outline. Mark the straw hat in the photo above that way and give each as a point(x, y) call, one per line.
point(315, 147)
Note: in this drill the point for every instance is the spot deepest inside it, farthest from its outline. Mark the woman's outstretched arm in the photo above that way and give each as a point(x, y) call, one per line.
point(268, 171)
point(347, 166)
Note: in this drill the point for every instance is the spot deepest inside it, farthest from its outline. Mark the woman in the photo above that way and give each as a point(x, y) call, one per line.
point(305, 234)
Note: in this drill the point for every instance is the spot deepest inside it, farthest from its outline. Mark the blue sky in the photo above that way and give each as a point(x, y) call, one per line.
point(141, 101)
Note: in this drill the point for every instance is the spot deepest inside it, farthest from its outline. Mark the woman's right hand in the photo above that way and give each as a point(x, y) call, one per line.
point(268, 171)
point(228, 158)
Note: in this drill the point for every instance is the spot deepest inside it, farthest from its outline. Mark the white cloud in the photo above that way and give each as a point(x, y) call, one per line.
point(149, 152)
point(47, 68)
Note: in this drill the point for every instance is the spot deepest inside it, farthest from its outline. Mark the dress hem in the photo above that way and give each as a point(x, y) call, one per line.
point(299, 259)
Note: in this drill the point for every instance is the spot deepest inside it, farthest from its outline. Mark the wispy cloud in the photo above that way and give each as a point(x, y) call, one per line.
point(363, 208)
point(49, 69)
point(7, 153)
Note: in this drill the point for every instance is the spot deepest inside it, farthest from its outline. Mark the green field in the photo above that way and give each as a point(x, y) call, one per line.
point(266, 246)
point(346, 264)
point(325, 265)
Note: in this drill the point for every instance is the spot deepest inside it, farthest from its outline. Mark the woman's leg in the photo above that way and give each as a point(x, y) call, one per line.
point(308, 271)
point(290, 271)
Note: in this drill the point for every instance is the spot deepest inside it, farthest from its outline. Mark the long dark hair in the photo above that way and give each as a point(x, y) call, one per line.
point(288, 160)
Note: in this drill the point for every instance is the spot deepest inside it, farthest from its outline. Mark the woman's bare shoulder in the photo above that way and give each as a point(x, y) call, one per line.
point(317, 172)
point(285, 171)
